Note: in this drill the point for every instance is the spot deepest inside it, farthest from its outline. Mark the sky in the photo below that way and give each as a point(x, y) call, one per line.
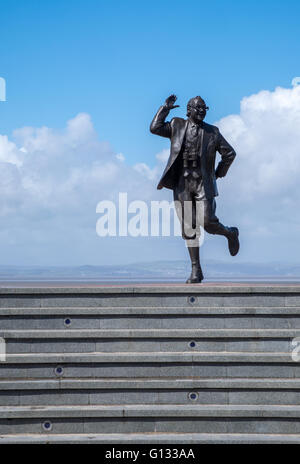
point(83, 81)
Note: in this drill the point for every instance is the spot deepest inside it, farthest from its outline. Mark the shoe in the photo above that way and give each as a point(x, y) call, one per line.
point(233, 241)
point(196, 276)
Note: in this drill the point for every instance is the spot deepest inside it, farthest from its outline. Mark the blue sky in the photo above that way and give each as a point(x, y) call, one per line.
point(115, 63)
point(118, 60)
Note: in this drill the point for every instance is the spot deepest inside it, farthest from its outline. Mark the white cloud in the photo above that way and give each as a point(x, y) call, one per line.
point(266, 137)
point(163, 155)
point(51, 182)
point(153, 173)
point(120, 157)
point(9, 152)
point(144, 169)
point(262, 187)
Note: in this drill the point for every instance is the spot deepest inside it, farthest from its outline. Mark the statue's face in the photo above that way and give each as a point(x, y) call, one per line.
point(197, 112)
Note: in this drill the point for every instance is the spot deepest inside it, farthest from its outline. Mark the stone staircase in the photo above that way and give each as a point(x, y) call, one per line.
point(150, 364)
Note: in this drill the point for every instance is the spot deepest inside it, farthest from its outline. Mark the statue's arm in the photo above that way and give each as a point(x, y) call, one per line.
point(158, 125)
point(227, 156)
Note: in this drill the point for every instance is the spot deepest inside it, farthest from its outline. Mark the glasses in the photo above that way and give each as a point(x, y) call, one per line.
point(199, 108)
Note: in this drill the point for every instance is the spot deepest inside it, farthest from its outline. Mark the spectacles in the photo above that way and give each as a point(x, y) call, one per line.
point(198, 108)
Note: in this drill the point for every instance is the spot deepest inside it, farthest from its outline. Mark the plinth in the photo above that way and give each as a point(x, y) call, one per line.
point(208, 363)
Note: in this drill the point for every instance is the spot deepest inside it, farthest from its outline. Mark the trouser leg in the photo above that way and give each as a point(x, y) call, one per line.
point(189, 212)
point(212, 225)
point(186, 209)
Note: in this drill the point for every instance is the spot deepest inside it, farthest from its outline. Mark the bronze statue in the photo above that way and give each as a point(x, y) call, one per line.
point(191, 174)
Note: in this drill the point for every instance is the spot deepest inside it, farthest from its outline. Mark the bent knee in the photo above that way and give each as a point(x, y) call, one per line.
point(211, 226)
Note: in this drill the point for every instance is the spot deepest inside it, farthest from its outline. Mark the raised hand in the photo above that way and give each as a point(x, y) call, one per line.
point(169, 103)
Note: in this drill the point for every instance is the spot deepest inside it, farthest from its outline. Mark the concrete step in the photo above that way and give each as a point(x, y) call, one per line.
point(149, 391)
point(90, 371)
point(276, 384)
point(150, 438)
point(160, 364)
point(49, 396)
point(154, 357)
point(151, 340)
point(142, 345)
point(145, 322)
point(127, 411)
point(60, 312)
point(265, 419)
point(152, 296)
point(148, 333)
point(174, 424)
point(194, 319)
point(210, 363)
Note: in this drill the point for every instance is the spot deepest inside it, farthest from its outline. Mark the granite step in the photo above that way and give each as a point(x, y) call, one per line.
point(157, 411)
point(152, 296)
point(141, 341)
point(147, 323)
point(145, 391)
point(170, 383)
point(150, 438)
point(147, 311)
point(152, 357)
point(143, 345)
point(187, 318)
point(153, 364)
point(147, 364)
point(150, 333)
point(265, 419)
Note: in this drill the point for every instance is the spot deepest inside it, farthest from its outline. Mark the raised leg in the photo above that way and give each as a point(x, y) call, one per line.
point(212, 225)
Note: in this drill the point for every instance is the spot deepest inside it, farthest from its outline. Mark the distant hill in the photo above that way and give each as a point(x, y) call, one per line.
point(159, 270)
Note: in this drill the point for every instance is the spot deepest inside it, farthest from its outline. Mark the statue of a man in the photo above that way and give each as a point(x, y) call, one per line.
point(191, 174)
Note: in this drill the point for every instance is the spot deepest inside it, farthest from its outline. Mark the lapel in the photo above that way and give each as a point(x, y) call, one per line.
point(178, 145)
point(205, 140)
point(182, 134)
